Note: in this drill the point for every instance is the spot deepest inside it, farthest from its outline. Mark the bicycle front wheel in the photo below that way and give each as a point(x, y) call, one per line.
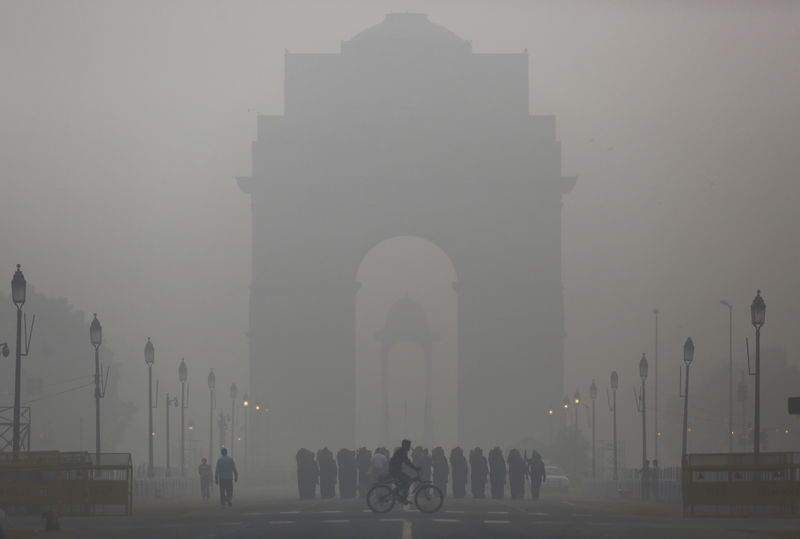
point(380, 498)
point(428, 498)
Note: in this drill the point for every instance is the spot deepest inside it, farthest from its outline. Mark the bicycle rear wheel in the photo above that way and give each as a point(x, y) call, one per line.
point(428, 498)
point(380, 498)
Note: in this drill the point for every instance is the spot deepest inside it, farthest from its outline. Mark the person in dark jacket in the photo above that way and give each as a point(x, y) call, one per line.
point(327, 473)
point(517, 471)
point(480, 471)
point(537, 473)
point(426, 470)
point(363, 461)
point(307, 474)
point(458, 463)
point(346, 459)
point(441, 470)
point(497, 473)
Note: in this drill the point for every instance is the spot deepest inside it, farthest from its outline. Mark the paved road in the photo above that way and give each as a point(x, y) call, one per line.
point(462, 519)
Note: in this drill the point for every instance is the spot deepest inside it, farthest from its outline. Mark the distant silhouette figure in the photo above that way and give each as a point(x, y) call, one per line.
point(363, 462)
point(307, 474)
point(441, 470)
point(458, 463)
point(537, 472)
point(327, 473)
point(646, 477)
point(517, 471)
point(480, 471)
point(346, 459)
point(379, 465)
point(225, 475)
point(427, 465)
point(497, 472)
point(204, 471)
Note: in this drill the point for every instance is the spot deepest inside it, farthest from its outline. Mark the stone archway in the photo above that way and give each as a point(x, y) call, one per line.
point(406, 344)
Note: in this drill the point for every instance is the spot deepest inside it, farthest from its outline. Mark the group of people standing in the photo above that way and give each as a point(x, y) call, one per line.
point(356, 471)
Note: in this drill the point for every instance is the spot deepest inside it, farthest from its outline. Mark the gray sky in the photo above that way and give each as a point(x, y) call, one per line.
point(124, 124)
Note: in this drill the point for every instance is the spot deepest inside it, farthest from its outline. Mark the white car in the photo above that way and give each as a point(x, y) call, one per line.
point(556, 480)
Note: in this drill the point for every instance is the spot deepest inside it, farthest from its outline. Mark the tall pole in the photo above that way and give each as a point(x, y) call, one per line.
point(150, 469)
point(594, 444)
point(685, 417)
point(211, 425)
point(757, 422)
point(97, 400)
point(183, 428)
point(730, 374)
point(167, 448)
point(614, 393)
point(655, 395)
point(644, 425)
point(18, 381)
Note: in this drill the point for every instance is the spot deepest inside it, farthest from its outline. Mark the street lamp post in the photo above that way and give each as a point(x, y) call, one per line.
point(593, 396)
point(688, 357)
point(171, 401)
point(565, 407)
point(18, 293)
point(656, 432)
point(234, 396)
point(149, 358)
point(550, 413)
point(643, 375)
point(730, 374)
point(183, 375)
point(212, 383)
point(614, 386)
point(246, 406)
point(577, 400)
point(96, 338)
point(757, 315)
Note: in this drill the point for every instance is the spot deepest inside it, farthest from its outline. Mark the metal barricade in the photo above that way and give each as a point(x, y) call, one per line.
point(741, 483)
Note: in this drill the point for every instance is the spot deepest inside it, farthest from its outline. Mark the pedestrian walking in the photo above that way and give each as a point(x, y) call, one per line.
point(537, 473)
point(441, 470)
point(327, 473)
point(655, 477)
point(346, 460)
point(363, 462)
point(204, 471)
point(517, 471)
point(646, 478)
point(379, 465)
point(480, 471)
point(225, 475)
point(497, 473)
point(458, 464)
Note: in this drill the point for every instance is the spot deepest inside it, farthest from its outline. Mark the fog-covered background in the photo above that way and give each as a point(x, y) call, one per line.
point(124, 124)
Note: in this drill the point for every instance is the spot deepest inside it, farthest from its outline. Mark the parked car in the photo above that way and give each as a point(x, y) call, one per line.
point(557, 480)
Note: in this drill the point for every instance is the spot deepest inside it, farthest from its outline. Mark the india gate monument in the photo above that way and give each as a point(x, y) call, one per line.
point(406, 132)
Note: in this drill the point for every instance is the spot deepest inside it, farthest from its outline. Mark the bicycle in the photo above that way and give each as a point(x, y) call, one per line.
point(427, 497)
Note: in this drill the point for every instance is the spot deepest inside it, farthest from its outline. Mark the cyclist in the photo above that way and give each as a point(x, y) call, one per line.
point(396, 463)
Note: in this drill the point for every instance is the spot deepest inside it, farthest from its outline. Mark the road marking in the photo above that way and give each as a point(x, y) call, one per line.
point(498, 512)
point(446, 519)
point(392, 519)
point(333, 511)
point(406, 530)
point(286, 513)
point(335, 521)
point(455, 512)
point(539, 514)
point(281, 521)
point(497, 522)
point(255, 514)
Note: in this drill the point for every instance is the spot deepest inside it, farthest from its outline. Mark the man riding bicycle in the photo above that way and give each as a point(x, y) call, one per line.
point(396, 463)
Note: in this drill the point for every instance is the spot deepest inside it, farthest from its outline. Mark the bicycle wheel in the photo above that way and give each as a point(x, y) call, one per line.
point(380, 498)
point(428, 498)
